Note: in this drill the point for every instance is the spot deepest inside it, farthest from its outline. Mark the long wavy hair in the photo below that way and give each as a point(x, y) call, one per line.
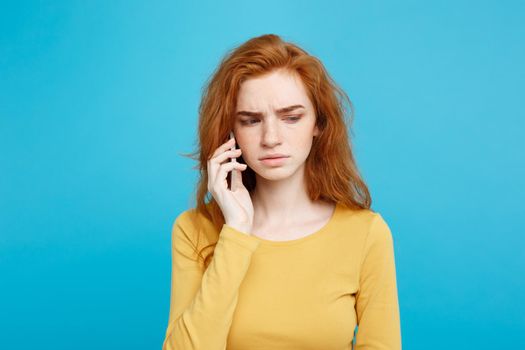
point(331, 173)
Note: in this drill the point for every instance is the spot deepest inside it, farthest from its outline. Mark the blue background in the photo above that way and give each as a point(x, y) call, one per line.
point(98, 98)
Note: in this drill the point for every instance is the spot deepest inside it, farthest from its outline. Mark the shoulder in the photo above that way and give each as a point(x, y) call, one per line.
point(378, 243)
point(186, 218)
point(365, 227)
point(193, 226)
point(357, 220)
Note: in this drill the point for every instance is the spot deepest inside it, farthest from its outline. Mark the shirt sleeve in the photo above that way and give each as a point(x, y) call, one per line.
point(202, 303)
point(377, 305)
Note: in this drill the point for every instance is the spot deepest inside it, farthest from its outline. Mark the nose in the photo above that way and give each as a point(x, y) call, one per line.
point(270, 137)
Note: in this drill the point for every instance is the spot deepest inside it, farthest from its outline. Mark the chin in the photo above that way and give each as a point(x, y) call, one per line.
point(274, 174)
point(274, 177)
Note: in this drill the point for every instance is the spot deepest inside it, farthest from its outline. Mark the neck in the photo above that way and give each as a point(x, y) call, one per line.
point(281, 201)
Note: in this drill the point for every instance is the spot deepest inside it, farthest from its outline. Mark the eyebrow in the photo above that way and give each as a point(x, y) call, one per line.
point(279, 111)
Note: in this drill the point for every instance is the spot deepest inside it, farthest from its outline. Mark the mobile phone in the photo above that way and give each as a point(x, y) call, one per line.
point(232, 174)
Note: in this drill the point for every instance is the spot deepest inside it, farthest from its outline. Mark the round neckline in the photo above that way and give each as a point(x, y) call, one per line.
point(311, 236)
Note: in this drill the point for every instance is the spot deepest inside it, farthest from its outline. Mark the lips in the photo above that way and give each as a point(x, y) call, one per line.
point(274, 156)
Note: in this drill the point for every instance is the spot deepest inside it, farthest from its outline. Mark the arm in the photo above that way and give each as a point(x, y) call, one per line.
point(376, 300)
point(202, 302)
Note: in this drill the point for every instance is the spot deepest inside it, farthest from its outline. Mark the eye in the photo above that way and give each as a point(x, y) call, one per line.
point(293, 118)
point(248, 121)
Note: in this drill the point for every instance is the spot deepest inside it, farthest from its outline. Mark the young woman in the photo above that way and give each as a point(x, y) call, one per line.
point(287, 254)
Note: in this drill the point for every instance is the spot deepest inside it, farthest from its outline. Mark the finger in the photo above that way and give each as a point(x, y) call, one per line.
point(223, 172)
point(226, 155)
point(223, 147)
point(214, 163)
point(238, 179)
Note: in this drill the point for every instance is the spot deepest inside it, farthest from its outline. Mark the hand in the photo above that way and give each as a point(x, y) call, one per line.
point(236, 206)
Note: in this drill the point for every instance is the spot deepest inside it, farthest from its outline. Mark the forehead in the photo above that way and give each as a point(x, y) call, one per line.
point(272, 91)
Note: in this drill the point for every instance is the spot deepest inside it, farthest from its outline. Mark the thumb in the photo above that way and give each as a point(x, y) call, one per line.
point(238, 179)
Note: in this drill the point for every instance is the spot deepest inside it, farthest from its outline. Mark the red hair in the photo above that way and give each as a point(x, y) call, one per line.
point(331, 172)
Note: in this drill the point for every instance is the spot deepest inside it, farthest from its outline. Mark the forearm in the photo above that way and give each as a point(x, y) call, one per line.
point(205, 322)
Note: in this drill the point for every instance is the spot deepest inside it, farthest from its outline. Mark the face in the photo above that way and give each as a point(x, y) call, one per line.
point(264, 125)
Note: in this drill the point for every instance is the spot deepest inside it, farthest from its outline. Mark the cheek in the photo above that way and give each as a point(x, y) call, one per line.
point(303, 146)
point(247, 148)
point(303, 140)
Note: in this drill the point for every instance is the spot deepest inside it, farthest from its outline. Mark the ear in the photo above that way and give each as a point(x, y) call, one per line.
point(316, 131)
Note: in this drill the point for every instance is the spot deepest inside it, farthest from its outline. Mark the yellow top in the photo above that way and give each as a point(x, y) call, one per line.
point(307, 293)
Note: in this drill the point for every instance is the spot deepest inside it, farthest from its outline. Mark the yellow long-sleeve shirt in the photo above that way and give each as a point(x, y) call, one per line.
point(307, 293)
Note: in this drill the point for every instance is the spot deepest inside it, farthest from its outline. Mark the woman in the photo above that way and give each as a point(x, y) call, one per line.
point(287, 254)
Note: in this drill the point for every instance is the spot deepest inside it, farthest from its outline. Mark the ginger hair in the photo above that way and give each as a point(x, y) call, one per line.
point(331, 173)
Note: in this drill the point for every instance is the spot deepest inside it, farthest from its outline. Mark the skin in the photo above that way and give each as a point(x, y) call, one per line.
point(280, 202)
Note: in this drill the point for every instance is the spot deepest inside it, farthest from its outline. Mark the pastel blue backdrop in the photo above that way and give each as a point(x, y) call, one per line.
point(98, 98)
